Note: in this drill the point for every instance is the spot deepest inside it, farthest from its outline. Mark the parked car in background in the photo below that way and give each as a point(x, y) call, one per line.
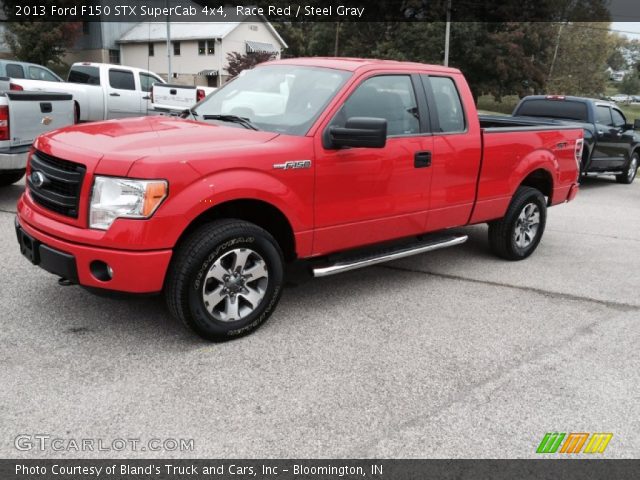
point(621, 98)
point(24, 70)
point(24, 116)
point(365, 162)
point(173, 99)
point(612, 143)
point(101, 91)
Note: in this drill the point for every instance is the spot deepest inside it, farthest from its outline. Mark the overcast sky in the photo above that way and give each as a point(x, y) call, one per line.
point(625, 27)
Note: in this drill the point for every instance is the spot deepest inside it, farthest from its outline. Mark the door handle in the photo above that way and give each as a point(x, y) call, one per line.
point(146, 98)
point(422, 159)
point(114, 94)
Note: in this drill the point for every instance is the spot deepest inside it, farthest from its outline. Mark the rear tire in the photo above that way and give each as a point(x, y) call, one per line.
point(629, 175)
point(225, 280)
point(517, 235)
point(8, 178)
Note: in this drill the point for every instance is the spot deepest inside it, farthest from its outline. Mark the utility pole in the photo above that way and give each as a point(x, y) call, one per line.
point(447, 33)
point(169, 70)
point(555, 52)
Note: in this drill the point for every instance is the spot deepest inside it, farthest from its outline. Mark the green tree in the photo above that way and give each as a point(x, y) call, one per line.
point(44, 42)
point(238, 62)
point(630, 85)
point(580, 65)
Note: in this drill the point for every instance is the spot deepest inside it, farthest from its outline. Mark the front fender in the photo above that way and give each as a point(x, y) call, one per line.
point(293, 197)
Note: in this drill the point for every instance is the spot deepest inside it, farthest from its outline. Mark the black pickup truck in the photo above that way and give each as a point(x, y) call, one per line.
point(611, 143)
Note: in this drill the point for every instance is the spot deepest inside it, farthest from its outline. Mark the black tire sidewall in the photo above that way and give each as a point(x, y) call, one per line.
point(538, 199)
point(203, 322)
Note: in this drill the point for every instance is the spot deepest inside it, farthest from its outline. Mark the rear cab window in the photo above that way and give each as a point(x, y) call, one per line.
point(14, 70)
point(554, 108)
point(85, 74)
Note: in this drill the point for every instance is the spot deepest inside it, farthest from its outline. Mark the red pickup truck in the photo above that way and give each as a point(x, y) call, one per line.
point(343, 162)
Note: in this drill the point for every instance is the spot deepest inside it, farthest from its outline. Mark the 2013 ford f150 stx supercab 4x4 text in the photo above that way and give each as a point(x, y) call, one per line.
point(365, 161)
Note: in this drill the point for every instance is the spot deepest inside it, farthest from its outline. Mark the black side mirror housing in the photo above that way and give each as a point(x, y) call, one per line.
point(358, 132)
point(636, 124)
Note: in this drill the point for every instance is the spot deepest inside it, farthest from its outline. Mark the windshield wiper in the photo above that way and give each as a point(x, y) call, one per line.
point(185, 113)
point(245, 122)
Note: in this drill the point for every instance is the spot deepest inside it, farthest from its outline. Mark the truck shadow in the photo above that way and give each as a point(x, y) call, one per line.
point(595, 182)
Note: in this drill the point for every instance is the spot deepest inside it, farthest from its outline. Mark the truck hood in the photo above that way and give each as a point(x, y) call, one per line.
point(121, 142)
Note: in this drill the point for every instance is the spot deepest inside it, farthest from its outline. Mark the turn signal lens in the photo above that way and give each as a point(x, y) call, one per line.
point(153, 196)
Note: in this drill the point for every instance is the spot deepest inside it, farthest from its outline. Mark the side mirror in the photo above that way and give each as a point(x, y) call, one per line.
point(358, 132)
point(636, 124)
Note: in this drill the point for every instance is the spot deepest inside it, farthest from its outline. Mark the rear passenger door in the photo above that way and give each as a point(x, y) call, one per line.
point(123, 99)
point(456, 152)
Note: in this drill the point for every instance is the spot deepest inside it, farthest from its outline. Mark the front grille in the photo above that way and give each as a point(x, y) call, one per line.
point(60, 191)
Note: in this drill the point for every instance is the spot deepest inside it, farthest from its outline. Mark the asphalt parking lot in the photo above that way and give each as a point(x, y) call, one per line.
point(445, 355)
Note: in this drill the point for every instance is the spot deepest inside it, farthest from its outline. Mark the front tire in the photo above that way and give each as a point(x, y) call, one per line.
point(11, 177)
point(517, 235)
point(225, 279)
point(629, 175)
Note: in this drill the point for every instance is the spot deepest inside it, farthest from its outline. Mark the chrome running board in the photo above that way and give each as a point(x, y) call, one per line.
point(388, 255)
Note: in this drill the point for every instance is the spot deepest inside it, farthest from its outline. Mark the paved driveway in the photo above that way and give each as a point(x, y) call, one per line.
point(449, 354)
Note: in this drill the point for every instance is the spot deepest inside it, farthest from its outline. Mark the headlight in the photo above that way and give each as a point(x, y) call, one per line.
point(113, 198)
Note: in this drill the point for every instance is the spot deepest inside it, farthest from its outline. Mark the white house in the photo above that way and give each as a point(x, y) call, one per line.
point(199, 50)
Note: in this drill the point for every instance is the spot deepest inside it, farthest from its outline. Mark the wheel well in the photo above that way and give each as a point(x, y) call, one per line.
point(257, 212)
point(541, 180)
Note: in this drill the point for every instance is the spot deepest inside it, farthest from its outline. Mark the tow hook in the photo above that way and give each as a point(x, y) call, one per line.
point(63, 282)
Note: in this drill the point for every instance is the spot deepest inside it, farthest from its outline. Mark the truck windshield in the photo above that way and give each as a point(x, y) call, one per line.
point(551, 108)
point(278, 98)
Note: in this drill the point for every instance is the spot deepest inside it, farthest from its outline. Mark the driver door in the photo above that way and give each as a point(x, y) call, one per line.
point(368, 195)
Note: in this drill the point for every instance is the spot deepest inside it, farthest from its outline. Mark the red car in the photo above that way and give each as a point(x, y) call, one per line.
point(344, 162)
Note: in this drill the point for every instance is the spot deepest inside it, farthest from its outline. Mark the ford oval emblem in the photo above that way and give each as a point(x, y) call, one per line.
point(38, 179)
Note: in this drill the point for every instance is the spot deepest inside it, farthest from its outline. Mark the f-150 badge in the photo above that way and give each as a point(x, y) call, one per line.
point(293, 164)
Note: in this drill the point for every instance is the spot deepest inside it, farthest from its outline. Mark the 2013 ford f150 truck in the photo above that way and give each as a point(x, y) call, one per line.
point(364, 163)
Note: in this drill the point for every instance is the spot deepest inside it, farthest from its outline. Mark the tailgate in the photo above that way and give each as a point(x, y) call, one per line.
point(5, 84)
point(32, 114)
point(175, 97)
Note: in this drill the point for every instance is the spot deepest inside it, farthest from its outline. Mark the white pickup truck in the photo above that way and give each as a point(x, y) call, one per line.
point(173, 99)
point(101, 91)
point(23, 117)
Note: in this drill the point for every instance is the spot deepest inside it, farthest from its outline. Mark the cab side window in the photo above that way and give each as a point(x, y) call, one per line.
point(388, 96)
point(37, 73)
point(618, 118)
point(147, 81)
point(14, 70)
point(603, 115)
point(121, 80)
point(448, 105)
